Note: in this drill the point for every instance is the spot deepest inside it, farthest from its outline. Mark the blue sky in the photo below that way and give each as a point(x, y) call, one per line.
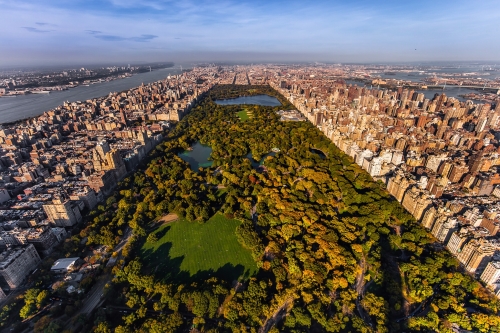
point(72, 31)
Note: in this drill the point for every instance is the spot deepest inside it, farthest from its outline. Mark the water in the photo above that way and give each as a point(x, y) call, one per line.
point(450, 91)
point(198, 156)
point(256, 164)
point(318, 152)
point(355, 83)
point(20, 107)
point(264, 100)
point(415, 76)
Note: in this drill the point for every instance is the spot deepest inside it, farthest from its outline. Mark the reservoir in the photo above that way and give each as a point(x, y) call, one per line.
point(264, 100)
point(198, 156)
point(31, 105)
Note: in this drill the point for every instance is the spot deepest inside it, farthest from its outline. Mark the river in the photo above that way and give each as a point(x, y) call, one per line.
point(450, 91)
point(25, 106)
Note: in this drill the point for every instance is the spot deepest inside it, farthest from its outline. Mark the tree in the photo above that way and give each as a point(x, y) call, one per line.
point(102, 327)
point(152, 238)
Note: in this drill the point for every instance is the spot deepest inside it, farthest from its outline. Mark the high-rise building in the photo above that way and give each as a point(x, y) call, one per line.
point(491, 275)
point(375, 167)
point(457, 172)
point(416, 202)
point(429, 218)
point(476, 254)
point(458, 240)
point(43, 238)
point(397, 186)
point(87, 196)
point(444, 227)
point(102, 148)
point(16, 263)
point(63, 213)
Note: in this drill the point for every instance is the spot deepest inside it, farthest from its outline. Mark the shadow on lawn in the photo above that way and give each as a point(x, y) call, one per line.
point(160, 264)
point(162, 232)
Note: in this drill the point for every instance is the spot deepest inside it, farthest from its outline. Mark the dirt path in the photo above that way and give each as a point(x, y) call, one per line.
point(168, 218)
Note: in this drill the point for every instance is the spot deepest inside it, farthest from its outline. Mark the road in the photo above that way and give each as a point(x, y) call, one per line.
point(94, 296)
point(421, 308)
point(278, 315)
point(360, 287)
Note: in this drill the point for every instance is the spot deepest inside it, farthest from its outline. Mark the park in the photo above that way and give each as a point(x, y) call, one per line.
point(191, 250)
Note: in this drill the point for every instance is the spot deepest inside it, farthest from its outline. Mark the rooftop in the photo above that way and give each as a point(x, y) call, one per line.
point(63, 263)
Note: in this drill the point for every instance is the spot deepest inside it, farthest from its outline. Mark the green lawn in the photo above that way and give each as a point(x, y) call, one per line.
point(221, 192)
point(190, 251)
point(243, 115)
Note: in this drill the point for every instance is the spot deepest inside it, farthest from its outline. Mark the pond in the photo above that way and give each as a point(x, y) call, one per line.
point(256, 164)
point(264, 100)
point(318, 152)
point(198, 156)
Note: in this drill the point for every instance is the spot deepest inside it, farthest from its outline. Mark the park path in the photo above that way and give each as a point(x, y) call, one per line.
point(278, 315)
point(361, 287)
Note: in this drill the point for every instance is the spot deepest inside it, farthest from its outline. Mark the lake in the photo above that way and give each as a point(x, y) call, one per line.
point(198, 156)
point(256, 164)
point(31, 105)
point(264, 100)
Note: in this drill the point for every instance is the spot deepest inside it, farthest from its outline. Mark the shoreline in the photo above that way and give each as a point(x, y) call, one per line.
point(21, 120)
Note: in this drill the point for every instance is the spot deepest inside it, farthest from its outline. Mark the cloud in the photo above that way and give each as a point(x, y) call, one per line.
point(45, 24)
point(114, 38)
point(110, 38)
point(93, 32)
point(153, 4)
point(329, 30)
point(32, 29)
point(143, 38)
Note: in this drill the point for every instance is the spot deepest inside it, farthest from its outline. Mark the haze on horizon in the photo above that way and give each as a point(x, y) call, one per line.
point(91, 31)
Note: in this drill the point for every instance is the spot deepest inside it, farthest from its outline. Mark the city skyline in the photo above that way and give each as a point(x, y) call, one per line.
point(57, 32)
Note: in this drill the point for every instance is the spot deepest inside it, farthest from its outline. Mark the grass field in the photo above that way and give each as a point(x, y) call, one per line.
point(245, 114)
point(190, 251)
point(221, 192)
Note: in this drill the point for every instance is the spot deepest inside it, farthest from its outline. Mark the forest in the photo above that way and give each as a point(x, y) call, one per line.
point(335, 252)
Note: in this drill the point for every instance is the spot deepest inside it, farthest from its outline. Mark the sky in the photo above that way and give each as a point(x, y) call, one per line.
point(55, 32)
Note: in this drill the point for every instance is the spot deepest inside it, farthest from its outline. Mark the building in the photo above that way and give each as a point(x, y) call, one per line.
point(491, 275)
point(42, 238)
point(4, 195)
point(444, 227)
point(60, 234)
point(416, 202)
point(457, 241)
point(476, 254)
point(63, 213)
point(102, 181)
point(87, 196)
point(429, 218)
point(16, 263)
point(64, 265)
point(375, 167)
point(397, 186)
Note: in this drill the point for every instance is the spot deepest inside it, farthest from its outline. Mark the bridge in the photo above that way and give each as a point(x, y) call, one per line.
point(457, 86)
